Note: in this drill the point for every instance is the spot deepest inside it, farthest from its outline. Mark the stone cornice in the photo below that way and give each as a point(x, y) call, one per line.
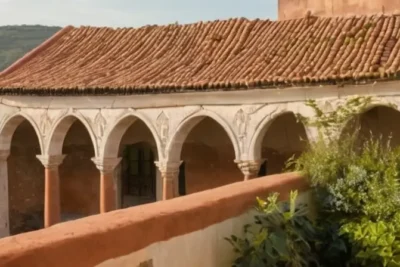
point(239, 97)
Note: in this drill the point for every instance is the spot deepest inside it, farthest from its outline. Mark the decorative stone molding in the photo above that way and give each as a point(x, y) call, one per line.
point(249, 168)
point(51, 161)
point(168, 169)
point(4, 154)
point(99, 123)
point(45, 123)
point(169, 173)
point(106, 165)
point(163, 128)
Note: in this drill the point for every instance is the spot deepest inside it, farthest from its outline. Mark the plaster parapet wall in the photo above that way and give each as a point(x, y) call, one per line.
point(96, 239)
point(205, 247)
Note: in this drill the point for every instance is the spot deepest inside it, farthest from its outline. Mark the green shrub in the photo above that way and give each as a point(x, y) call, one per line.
point(376, 243)
point(355, 182)
point(280, 236)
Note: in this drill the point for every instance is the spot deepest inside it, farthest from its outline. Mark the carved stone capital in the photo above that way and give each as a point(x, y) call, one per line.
point(249, 168)
point(169, 170)
point(4, 154)
point(51, 161)
point(106, 165)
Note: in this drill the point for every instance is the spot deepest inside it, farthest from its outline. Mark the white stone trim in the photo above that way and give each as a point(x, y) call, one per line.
point(235, 97)
point(60, 129)
point(11, 123)
point(114, 134)
point(175, 144)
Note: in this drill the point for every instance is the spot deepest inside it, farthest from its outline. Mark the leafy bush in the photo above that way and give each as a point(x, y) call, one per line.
point(377, 243)
point(281, 236)
point(355, 182)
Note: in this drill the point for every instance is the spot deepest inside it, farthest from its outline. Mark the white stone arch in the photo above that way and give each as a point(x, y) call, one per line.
point(174, 147)
point(60, 130)
point(11, 124)
point(260, 131)
point(376, 104)
point(114, 135)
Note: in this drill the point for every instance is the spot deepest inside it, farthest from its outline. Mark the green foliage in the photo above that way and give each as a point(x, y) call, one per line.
point(281, 236)
point(357, 184)
point(330, 123)
point(377, 242)
point(15, 41)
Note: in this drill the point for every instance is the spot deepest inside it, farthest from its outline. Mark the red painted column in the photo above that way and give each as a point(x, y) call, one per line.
point(249, 168)
point(52, 210)
point(106, 166)
point(169, 174)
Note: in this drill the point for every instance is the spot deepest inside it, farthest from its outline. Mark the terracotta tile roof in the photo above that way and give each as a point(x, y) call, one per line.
point(229, 54)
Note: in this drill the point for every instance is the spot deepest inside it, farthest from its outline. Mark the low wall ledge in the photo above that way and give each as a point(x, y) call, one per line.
point(92, 240)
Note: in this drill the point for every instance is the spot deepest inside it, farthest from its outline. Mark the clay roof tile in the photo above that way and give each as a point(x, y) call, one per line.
point(223, 54)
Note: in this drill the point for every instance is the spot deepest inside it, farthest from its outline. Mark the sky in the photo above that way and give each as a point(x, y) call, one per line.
point(129, 13)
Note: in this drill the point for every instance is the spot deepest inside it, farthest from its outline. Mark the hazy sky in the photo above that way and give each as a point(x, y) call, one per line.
point(120, 13)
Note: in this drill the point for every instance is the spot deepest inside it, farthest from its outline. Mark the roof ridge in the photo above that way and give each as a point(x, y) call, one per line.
point(36, 51)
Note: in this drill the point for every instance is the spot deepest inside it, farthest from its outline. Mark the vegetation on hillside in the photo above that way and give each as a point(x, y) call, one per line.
point(16, 41)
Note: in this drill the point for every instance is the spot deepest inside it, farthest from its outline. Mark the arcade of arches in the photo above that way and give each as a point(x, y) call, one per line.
point(207, 157)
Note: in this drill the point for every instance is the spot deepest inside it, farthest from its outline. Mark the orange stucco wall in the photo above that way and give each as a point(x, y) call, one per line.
point(93, 240)
point(291, 9)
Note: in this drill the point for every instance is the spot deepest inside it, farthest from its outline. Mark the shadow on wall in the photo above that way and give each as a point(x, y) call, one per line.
point(377, 122)
point(25, 181)
point(27, 221)
point(284, 138)
point(79, 177)
point(209, 156)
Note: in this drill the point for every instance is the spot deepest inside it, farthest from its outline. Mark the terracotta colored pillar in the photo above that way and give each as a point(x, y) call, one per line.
point(52, 210)
point(249, 168)
point(106, 166)
point(169, 174)
point(4, 206)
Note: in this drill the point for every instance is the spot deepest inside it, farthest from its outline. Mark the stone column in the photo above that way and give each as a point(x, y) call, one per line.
point(249, 168)
point(106, 166)
point(4, 205)
point(169, 174)
point(52, 210)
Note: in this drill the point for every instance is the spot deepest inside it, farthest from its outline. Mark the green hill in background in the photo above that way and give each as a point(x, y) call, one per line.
point(16, 41)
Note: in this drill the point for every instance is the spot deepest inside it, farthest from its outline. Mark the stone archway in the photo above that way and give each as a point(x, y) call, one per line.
point(22, 176)
point(137, 179)
point(79, 177)
point(376, 122)
point(279, 140)
point(208, 151)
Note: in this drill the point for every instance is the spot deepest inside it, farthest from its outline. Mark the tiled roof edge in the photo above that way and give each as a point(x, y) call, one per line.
point(107, 91)
point(36, 51)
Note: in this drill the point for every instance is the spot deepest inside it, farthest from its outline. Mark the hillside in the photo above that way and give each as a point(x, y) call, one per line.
point(16, 41)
